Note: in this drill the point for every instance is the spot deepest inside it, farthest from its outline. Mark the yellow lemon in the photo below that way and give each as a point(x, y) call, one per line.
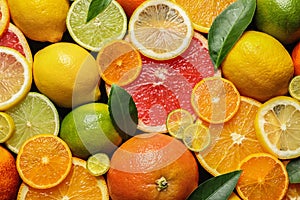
point(40, 20)
point(259, 66)
point(67, 74)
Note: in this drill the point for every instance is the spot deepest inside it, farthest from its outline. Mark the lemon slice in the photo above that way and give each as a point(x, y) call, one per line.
point(98, 164)
point(7, 127)
point(196, 137)
point(277, 126)
point(160, 29)
point(294, 87)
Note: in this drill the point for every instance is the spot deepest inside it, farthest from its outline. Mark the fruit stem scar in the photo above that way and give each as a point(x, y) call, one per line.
point(162, 183)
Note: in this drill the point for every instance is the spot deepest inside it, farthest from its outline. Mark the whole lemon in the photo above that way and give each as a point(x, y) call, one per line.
point(67, 74)
point(259, 66)
point(40, 20)
point(279, 18)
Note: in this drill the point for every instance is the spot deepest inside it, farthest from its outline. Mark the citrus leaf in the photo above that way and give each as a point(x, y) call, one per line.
point(96, 7)
point(123, 111)
point(293, 170)
point(228, 27)
point(216, 188)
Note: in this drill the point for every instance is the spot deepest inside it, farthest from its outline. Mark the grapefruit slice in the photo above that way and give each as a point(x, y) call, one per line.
point(4, 16)
point(166, 85)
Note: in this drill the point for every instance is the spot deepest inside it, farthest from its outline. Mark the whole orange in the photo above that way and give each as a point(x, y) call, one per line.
point(10, 180)
point(130, 6)
point(296, 58)
point(152, 166)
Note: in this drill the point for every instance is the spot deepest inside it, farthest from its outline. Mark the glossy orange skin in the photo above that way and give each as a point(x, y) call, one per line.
point(142, 160)
point(296, 58)
point(130, 6)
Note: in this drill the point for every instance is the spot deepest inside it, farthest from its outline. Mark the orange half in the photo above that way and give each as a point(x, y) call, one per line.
point(4, 16)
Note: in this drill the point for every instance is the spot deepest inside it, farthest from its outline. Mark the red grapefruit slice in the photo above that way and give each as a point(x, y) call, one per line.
point(4, 16)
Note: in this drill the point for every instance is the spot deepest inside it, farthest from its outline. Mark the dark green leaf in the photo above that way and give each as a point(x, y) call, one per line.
point(122, 111)
point(228, 27)
point(216, 188)
point(293, 169)
point(96, 7)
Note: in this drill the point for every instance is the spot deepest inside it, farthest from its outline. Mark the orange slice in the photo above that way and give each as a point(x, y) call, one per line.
point(215, 100)
point(119, 62)
point(203, 12)
point(263, 177)
point(4, 16)
point(44, 161)
point(79, 184)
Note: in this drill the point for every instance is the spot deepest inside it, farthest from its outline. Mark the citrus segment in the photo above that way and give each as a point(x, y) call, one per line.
point(160, 29)
point(196, 137)
point(98, 164)
point(4, 16)
point(109, 25)
point(215, 100)
point(44, 161)
point(263, 177)
point(35, 115)
point(293, 192)
point(16, 77)
point(232, 141)
point(119, 62)
point(7, 127)
point(294, 87)
point(277, 126)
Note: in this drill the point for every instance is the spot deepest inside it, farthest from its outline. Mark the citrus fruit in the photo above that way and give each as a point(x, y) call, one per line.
point(10, 180)
point(152, 166)
point(279, 18)
point(293, 191)
point(233, 196)
point(34, 115)
point(277, 126)
point(177, 121)
point(263, 177)
point(202, 12)
point(160, 29)
point(119, 62)
point(232, 141)
point(67, 74)
point(130, 6)
point(40, 20)
point(109, 25)
point(163, 86)
point(5, 16)
point(14, 38)
point(215, 100)
point(260, 73)
point(294, 87)
point(7, 126)
point(98, 164)
point(296, 58)
point(44, 161)
point(79, 184)
point(16, 78)
point(88, 129)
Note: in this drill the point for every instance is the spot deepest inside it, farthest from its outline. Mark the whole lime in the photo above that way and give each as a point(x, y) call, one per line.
point(279, 18)
point(88, 129)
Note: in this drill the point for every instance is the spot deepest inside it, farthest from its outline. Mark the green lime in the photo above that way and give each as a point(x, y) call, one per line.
point(7, 126)
point(279, 18)
point(109, 25)
point(88, 130)
point(98, 164)
point(36, 114)
point(294, 87)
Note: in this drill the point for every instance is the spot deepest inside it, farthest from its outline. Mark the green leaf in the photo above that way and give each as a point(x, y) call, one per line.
point(293, 169)
point(228, 27)
point(96, 7)
point(123, 112)
point(216, 188)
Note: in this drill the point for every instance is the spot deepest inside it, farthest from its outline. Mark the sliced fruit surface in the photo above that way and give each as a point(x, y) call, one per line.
point(294, 87)
point(4, 16)
point(98, 164)
point(7, 126)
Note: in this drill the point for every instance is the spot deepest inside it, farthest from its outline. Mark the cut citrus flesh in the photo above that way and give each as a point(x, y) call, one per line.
point(15, 77)
point(177, 121)
point(7, 127)
point(4, 16)
point(277, 127)
point(109, 25)
point(232, 141)
point(196, 137)
point(36, 114)
point(98, 164)
point(79, 184)
point(203, 12)
point(294, 87)
point(119, 62)
point(44, 161)
point(215, 100)
point(160, 29)
point(263, 177)
point(293, 192)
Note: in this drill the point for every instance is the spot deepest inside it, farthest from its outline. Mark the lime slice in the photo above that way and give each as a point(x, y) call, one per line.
point(109, 25)
point(7, 127)
point(177, 121)
point(98, 164)
point(294, 87)
point(196, 137)
point(36, 114)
